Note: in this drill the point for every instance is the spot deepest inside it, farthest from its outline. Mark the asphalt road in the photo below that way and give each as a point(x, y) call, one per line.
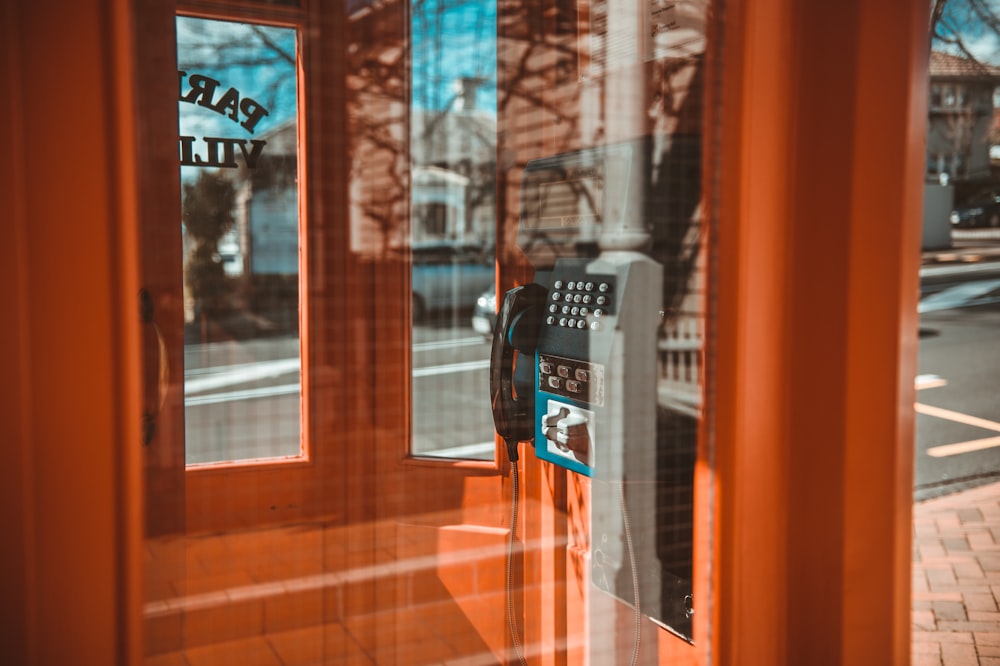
point(242, 399)
point(958, 397)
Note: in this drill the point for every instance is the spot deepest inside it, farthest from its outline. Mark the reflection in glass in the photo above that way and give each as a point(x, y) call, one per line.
point(240, 212)
point(453, 151)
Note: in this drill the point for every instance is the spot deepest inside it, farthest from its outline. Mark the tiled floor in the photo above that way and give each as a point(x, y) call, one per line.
point(284, 596)
point(956, 579)
point(289, 596)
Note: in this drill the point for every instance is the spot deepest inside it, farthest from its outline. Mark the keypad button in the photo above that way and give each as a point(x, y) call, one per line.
point(556, 296)
point(573, 386)
point(581, 323)
point(550, 320)
point(602, 300)
point(545, 368)
point(555, 382)
point(581, 374)
point(604, 287)
point(589, 286)
point(595, 325)
point(563, 370)
point(558, 284)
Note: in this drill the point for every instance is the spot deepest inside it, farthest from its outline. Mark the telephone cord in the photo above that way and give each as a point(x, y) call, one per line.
point(510, 567)
point(635, 577)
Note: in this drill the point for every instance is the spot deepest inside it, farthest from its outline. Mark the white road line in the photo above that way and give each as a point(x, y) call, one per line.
point(929, 381)
point(957, 417)
point(450, 368)
point(247, 394)
point(965, 419)
point(239, 374)
point(447, 344)
point(963, 447)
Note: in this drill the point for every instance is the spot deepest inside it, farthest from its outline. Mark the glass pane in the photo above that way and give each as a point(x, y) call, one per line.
point(453, 203)
point(240, 213)
point(602, 117)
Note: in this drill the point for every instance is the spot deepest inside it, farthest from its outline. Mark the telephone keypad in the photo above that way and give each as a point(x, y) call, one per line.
point(572, 299)
point(580, 380)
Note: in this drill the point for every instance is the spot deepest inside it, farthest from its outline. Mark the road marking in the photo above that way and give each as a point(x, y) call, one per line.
point(248, 394)
point(957, 417)
point(965, 419)
point(447, 344)
point(929, 381)
point(963, 447)
point(450, 368)
point(475, 451)
point(240, 374)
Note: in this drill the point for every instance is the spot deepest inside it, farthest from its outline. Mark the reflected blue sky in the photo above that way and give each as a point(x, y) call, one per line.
point(258, 61)
point(961, 20)
point(453, 39)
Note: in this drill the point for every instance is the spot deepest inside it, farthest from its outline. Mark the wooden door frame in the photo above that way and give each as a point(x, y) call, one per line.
point(246, 495)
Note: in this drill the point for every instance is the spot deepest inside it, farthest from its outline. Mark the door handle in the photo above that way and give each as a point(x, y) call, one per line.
point(150, 415)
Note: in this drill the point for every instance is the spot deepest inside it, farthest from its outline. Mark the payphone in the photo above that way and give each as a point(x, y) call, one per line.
point(575, 358)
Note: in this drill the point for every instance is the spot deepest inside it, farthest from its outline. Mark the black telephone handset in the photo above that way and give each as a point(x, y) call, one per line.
point(515, 335)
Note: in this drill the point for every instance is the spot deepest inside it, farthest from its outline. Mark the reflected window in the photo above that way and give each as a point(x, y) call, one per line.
point(452, 212)
point(238, 152)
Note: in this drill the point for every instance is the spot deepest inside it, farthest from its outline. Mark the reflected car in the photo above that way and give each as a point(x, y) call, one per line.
point(980, 210)
point(484, 315)
point(449, 275)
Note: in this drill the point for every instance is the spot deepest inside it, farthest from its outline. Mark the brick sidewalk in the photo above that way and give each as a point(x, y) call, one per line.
point(956, 579)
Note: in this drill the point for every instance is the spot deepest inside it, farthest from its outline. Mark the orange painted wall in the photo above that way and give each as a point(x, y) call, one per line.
point(69, 337)
point(823, 111)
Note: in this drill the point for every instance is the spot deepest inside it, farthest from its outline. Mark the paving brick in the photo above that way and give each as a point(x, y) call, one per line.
point(984, 616)
point(938, 577)
point(970, 515)
point(977, 601)
point(956, 545)
point(949, 610)
point(932, 550)
point(958, 654)
point(956, 579)
point(924, 620)
point(925, 660)
point(967, 626)
point(943, 637)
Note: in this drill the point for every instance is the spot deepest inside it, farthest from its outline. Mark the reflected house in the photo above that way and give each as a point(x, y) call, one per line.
point(454, 170)
point(260, 254)
point(960, 119)
point(439, 197)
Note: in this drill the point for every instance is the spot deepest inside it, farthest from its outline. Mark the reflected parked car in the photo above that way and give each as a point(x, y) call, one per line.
point(980, 210)
point(484, 315)
point(449, 275)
